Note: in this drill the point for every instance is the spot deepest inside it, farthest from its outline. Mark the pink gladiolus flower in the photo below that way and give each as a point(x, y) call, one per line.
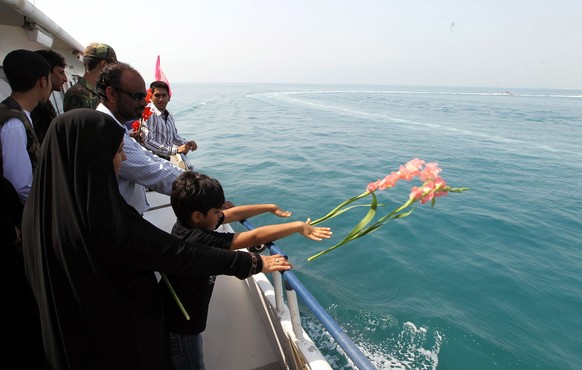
point(427, 198)
point(429, 190)
point(385, 183)
point(411, 169)
point(415, 193)
point(414, 164)
point(407, 173)
point(433, 186)
point(441, 188)
point(430, 172)
point(389, 181)
point(440, 184)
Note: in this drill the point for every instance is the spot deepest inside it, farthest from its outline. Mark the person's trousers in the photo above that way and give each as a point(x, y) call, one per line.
point(187, 352)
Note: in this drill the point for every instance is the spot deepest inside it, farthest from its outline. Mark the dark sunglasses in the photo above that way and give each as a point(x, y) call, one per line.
point(140, 95)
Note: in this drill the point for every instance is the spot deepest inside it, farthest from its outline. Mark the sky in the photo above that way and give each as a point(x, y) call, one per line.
point(481, 43)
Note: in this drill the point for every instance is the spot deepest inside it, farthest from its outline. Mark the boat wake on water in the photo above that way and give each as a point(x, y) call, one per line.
point(403, 92)
point(404, 346)
point(188, 110)
point(293, 97)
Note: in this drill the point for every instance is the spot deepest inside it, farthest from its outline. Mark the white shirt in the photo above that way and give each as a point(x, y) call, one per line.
point(16, 164)
point(142, 169)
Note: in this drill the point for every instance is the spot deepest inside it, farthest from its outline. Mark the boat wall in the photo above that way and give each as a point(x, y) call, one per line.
point(13, 14)
point(34, 15)
point(300, 350)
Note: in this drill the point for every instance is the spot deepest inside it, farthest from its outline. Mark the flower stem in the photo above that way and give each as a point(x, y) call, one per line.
point(334, 211)
point(167, 281)
point(356, 230)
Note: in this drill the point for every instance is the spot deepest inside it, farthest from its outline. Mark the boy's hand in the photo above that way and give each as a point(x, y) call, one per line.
point(275, 262)
point(227, 204)
point(315, 233)
point(279, 212)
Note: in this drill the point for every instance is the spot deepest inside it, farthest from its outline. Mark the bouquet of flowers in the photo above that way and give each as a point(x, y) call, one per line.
point(147, 112)
point(433, 186)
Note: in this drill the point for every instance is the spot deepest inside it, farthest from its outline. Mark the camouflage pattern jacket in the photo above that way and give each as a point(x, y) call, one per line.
point(80, 96)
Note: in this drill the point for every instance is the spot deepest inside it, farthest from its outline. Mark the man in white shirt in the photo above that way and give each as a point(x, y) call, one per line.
point(28, 75)
point(122, 92)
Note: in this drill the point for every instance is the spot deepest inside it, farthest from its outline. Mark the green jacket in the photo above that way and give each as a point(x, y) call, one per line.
point(80, 96)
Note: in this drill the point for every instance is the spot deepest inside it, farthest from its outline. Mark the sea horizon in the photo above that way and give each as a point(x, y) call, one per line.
point(501, 88)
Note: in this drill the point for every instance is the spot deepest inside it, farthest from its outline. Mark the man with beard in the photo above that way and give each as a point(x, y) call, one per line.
point(122, 92)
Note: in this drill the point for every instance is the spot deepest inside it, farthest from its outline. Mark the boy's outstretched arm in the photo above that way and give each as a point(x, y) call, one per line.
point(238, 213)
point(265, 234)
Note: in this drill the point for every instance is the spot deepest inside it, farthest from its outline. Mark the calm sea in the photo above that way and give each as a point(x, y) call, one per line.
point(487, 279)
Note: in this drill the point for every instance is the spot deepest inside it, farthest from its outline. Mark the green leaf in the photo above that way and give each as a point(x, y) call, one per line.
point(334, 211)
point(367, 218)
point(347, 209)
point(383, 221)
point(353, 234)
point(456, 190)
point(402, 215)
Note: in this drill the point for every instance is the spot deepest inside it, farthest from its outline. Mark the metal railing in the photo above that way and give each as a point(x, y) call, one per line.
point(293, 285)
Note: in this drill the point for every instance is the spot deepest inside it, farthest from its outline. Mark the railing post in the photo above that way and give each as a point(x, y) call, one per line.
point(278, 285)
point(294, 312)
point(333, 328)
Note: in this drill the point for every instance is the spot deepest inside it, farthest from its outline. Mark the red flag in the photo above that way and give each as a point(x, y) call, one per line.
point(160, 76)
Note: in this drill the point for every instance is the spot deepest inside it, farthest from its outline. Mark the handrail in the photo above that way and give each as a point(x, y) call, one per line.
point(345, 342)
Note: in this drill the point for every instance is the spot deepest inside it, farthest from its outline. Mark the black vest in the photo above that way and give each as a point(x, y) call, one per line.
point(9, 109)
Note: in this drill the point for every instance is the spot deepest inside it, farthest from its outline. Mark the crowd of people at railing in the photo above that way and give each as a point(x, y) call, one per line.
point(78, 258)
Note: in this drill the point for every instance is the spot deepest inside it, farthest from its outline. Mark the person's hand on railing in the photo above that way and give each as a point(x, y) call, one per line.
point(275, 262)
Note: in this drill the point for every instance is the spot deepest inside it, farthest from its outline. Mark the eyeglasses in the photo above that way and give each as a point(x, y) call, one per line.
point(140, 95)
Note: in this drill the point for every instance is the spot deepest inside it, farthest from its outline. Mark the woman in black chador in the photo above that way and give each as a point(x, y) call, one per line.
point(90, 258)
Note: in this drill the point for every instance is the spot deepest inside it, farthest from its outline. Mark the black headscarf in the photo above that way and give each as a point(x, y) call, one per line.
point(90, 257)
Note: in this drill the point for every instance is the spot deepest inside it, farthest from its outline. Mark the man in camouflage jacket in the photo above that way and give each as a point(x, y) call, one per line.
point(83, 93)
